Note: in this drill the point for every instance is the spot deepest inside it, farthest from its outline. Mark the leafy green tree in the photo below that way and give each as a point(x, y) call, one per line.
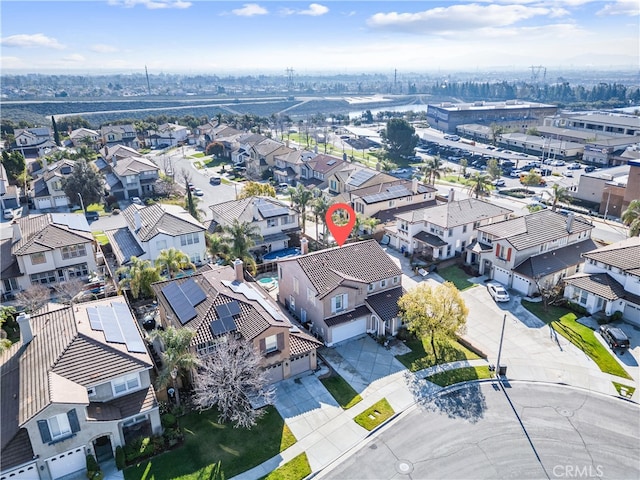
point(56, 133)
point(138, 277)
point(253, 189)
point(217, 247)
point(6, 313)
point(400, 138)
point(559, 194)
point(434, 312)
point(173, 261)
point(433, 170)
point(319, 207)
point(176, 356)
point(14, 164)
point(531, 179)
point(479, 184)
point(86, 181)
point(496, 131)
point(300, 198)
point(631, 218)
point(493, 169)
point(464, 163)
point(215, 148)
point(241, 236)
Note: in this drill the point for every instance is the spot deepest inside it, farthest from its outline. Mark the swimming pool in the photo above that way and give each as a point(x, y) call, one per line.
point(287, 252)
point(268, 283)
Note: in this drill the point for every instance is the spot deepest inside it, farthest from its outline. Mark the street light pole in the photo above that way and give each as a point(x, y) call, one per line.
point(82, 203)
point(504, 321)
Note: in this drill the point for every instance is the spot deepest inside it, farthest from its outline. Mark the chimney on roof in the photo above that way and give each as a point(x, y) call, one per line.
point(452, 193)
point(238, 267)
point(414, 186)
point(570, 222)
point(17, 232)
point(304, 246)
point(24, 321)
point(136, 219)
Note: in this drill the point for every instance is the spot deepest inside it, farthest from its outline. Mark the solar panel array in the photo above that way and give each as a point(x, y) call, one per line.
point(268, 210)
point(360, 177)
point(225, 322)
point(252, 294)
point(183, 298)
point(118, 325)
point(331, 162)
point(396, 191)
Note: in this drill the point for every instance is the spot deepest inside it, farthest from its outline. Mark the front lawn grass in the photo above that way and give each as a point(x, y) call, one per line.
point(457, 375)
point(100, 237)
point(624, 390)
point(563, 321)
point(295, 469)
point(421, 355)
point(457, 276)
point(339, 389)
point(198, 155)
point(206, 441)
point(96, 207)
point(375, 415)
point(215, 162)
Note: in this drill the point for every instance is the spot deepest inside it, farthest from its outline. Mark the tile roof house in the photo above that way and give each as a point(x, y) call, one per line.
point(9, 194)
point(353, 177)
point(207, 133)
point(217, 302)
point(277, 222)
point(119, 134)
point(47, 189)
point(132, 176)
point(610, 280)
point(290, 165)
point(33, 141)
point(317, 170)
point(443, 231)
point(57, 406)
point(263, 156)
point(84, 137)
point(168, 134)
point(155, 228)
point(342, 292)
point(48, 249)
point(531, 251)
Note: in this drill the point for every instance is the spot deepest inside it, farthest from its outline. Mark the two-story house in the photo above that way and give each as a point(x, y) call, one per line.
point(289, 166)
point(47, 189)
point(32, 142)
point(263, 156)
point(132, 176)
point(243, 151)
point(119, 134)
point(155, 228)
point(343, 292)
point(276, 221)
point(533, 251)
point(610, 280)
point(217, 302)
point(210, 132)
point(443, 231)
point(49, 249)
point(77, 383)
point(84, 137)
point(316, 171)
point(353, 177)
point(168, 134)
point(9, 194)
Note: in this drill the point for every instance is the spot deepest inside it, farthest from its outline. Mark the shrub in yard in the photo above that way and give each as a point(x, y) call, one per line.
point(120, 460)
point(615, 316)
point(168, 420)
point(577, 308)
point(404, 334)
point(92, 467)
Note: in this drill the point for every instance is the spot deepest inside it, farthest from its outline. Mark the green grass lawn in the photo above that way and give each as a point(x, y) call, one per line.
point(457, 276)
point(198, 164)
point(96, 207)
point(100, 237)
point(628, 390)
point(456, 179)
point(375, 415)
point(458, 375)
point(344, 394)
point(215, 162)
point(198, 155)
point(295, 469)
point(564, 322)
point(207, 442)
point(421, 356)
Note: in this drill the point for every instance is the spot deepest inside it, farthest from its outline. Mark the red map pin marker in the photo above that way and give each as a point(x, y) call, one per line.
point(340, 232)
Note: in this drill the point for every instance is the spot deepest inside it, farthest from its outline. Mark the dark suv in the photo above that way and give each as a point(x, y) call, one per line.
point(614, 336)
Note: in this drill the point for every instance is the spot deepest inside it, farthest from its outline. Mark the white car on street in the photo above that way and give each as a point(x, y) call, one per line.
point(498, 292)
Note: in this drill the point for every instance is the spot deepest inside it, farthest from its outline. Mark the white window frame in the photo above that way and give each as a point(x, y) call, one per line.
point(396, 279)
point(73, 251)
point(296, 286)
point(271, 343)
point(371, 287)
point(342, 299)
point(38, 255)
point(59, 426)
point(383, 283)
point(129, 382)
point(311, 296)
point(272, 222)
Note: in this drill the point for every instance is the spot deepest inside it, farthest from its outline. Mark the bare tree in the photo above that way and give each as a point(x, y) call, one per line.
point(550, 292)
point(229, 379)
point(67, 291)
point(34, 297)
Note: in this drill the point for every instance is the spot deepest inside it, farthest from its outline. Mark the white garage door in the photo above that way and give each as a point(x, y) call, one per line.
point(300, 364)
point(25, 472)
point(520, 284)
point(44, 203)
point(501, 275)
point(67, 462)
point(349, 330)
point(60, 201)
point(632, 313)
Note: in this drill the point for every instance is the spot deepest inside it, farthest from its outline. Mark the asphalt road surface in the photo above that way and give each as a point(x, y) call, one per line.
point(524, 431)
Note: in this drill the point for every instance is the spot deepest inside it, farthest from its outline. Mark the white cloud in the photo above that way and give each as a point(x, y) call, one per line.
point(74, 58)
point(103, 48)
point(314, 10)
point(249, 10)
point(621, 7)
point(151, 4)
point(459, 18)
point(31, 41)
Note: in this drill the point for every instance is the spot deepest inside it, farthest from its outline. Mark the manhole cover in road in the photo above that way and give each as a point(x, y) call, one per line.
point(565, 412)
point(404, 467)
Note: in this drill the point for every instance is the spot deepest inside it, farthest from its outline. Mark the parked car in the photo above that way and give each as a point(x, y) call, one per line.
point(215, 180)
point(574, 166)
point(91, 216)
point(198, 192)
point(498, 292)
point(557, 163)
point(614, 336)
point(498, 183)
point(136, 200)
point(568, 173)
point(589, 169)
point(8, 214)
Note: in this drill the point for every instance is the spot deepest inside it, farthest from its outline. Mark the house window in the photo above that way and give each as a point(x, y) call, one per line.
point(286, 220)
point(73, 251)
point(450, 232)
point(383, 283)
point(359, 208)
point(280, 273)
point(333, 185)
point(131, 179)
point(91, 391)
point(464, 229)
point(43, 277)
point(311, 296)
point(584, 295)
point(271, 344)
point(76, 271)
point(339, 303)
point(38, 258)
point(292, 303)
point(125, 384)
point(195, 258)
point(448, 250)
point(396, 279)
point(189, 239)
point(370, 287)
point(161, 244)
point(392, 203)
point(296, 286)
point(10, 284)
point(59, 426)
point(272, 222)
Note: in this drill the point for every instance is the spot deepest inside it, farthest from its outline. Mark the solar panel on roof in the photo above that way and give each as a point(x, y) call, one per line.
point(331, 162)
point(234, 308)
point(193, 292)
point(268, 210)
point(360, 177)
point(229, 324)
point(223, 310)
point(131, 334)
point(217, 328)
point(179, 303)
point(94, 318)
point(110, 325)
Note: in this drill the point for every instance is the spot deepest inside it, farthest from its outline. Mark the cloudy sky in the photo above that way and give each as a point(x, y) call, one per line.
point(200, 36)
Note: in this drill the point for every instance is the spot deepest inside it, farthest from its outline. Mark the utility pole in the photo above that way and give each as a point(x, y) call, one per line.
point(148, 84)
point(504, 321)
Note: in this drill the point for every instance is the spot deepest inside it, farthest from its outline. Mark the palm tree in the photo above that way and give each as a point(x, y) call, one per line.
point(631, 218)
point(138, 276)
point(433, 170)
point(559, 194)
point(370, 224)
point(479, 184)
point(176, 355)
point(319, 207)
point(173, 261)
point(300, 198)
point(241, 236)
point(217, 247)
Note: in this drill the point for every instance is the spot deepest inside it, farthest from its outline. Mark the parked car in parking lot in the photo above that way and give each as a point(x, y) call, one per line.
point(589, 169)
point(498, 183)
point(614, 336)
point(568, 173)
point(498, 292)
point(574, 166)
